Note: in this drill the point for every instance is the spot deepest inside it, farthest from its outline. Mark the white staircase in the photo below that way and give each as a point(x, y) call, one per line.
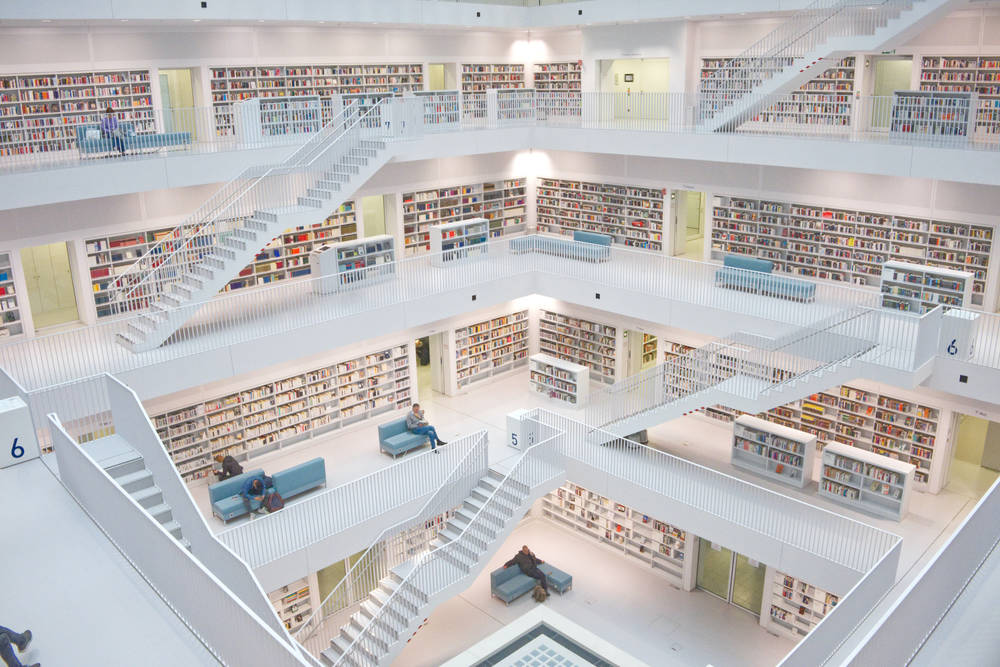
point(168, 285)
point(794, 52)
point(126, 466)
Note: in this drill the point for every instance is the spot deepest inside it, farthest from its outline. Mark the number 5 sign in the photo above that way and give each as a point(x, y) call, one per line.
point(521, 432)
point(17, 432)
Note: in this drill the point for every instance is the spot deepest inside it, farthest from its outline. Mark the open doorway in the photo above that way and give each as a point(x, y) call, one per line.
point(731, 576)
point(178, 101)
point(631, 79)
point(442, 76)
point(976, 462)
point(688, 222)
point(889, 74)
point(378, 213)
point(432, 366)
point(49, 277)
point(640, 350)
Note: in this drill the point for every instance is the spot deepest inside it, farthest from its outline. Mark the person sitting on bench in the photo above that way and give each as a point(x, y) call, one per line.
point(529, 562)
point(416, 423)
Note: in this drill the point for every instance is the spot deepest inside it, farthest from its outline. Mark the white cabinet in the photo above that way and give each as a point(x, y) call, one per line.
point(866, 481)
point(560, 380)
point(773, 450)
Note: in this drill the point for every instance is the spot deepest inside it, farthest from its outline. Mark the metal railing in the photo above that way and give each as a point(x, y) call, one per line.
point(399, 543)
point(252, 314)
point(336, 510)
point(192, 591)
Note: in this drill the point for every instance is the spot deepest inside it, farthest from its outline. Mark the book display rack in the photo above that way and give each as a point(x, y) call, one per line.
point(458, 241)
point(39, 113)
point(490, 347)
point(630, 215)
point(866, 481)
point(967, 74)
point(441, 107)
point(845, 245)
point(929, 113)
point(284, 257)
point(658, 544)
point(352, 262)
point(292, 603)
point(258, 419)
point(501, 202)
point(478, 78)
point(773, 451)
point(581, 342)
point(560, 380)
point(792, 607)
point(10, 312)
point(915, 288)
point(559, 77)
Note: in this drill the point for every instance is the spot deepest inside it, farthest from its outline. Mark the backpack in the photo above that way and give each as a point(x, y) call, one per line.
point(539, 593)
point(273, 502)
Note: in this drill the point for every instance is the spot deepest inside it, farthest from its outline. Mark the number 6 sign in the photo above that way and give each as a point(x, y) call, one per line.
point(17, 431)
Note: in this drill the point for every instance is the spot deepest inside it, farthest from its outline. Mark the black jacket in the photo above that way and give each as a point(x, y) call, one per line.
point(527, 562)
point(230, 468)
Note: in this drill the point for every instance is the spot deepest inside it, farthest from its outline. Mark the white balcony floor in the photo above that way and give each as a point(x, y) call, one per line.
point(83, 602)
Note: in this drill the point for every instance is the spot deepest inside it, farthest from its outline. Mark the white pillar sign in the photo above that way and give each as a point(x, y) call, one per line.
point(19, 442)
point(521, 432)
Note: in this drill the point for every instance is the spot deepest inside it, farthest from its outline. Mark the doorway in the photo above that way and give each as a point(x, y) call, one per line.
point(641, 350)
point(373, 214)
point(177, 101)
point(890, 74)
point(632, 80)
point(425, 382)
point(976, 462)
point(49, 277)
point(688, 223)
point(730, 576)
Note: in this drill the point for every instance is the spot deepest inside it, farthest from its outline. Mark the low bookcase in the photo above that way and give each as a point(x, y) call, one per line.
point(866, 481)
point(454, 242)
point(773, 451)
point(560, 380)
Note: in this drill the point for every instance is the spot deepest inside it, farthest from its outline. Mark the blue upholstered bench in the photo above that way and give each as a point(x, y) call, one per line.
point(132, 141)
point(751, 274)
point(587, 246)
point(225, 496)
point(510, 583)
point(301, 478)
point(393, 438)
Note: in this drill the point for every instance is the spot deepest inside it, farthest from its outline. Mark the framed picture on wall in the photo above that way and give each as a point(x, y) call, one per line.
point(629, 78)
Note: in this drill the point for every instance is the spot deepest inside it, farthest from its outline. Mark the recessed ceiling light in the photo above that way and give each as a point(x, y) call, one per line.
point(196, 20)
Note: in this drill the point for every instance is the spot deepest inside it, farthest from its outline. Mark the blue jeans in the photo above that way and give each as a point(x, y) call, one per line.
point(8, 638)
point(429, 432)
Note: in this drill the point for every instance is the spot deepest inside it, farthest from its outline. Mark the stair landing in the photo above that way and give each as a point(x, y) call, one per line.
point(110, 451)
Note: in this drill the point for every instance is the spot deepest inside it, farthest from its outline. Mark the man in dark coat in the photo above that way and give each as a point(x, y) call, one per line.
point(529, 563)
point(226, 467)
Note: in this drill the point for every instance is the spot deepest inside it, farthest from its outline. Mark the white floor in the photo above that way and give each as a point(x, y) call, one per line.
point(352, 453)
point(83, 602)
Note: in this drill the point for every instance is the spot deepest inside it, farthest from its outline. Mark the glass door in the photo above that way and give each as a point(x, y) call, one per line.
point(715, 565)
point(748, 583)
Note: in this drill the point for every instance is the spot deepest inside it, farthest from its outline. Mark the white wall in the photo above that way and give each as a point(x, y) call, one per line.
point(635, 40)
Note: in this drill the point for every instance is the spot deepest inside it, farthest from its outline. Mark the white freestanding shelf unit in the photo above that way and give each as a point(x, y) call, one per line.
point(915, 288)
point(866, 481)
point(560, 380)
point(457, 241)
point(338, 265)
point(773, 450)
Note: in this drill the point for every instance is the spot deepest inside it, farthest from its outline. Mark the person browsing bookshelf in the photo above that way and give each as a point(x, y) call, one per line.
point(417, 423)
point(529, 562)
point(226, 467)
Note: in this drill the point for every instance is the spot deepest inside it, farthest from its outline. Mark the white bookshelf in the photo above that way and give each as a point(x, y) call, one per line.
point(442, 108)
point(480, 77)
point(845, 245)
point(773, 451)
point(256, 419)
point(928, 113)
point(580, 341)
point(10, 310)
point(39, 112)
point(352, 262)
point(490, 347)
point(916, 288)
point(792, 607)
point(286, 256)
point(630, 215)
point(967, 74)
point(501, 202)
point(559, 77)
point(234, 84)
point(866, 481)
point(559, 380)
point(667, 549)
point(459, 241)
point(276, 118)
point(292, 603)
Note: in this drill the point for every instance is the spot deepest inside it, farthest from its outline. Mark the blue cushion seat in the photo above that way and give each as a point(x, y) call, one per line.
point(228, 504)
point(395, 439)
point(590, 246)
point(509, 583)
point(131, 140)
point(225, 496)
point(301, 478)
point(752, 274)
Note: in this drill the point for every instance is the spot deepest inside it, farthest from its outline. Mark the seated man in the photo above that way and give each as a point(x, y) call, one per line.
point(226, 467)
point(415, 423)
point(9, 639)
point(255, 488)
point(529, 563)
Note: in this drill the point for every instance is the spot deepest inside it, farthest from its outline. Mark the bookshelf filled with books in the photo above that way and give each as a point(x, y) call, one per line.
point(459, 241)
point(773, 451)
point(846, 245)
point(10, 324)
point(559, 380)
point(490, 347)
point(927, 113)
point(631, 215)
point(285, 256)
point(39, 113)
point(792, 607)
point(582, 342)
point(559, 77)
point(253, 420)
point(350, 263)
point(866, 481)
point(664, 547)
point(477, 78)
point(293, 603)
point(967, 74)
point(915, 288)
point(501, 202)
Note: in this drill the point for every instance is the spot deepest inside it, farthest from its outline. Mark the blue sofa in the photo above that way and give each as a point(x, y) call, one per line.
point(301, 478)
point(510, 583)
point(132, 141)
point(225, 496)
point(393, 438)
point(588, 246)
point(751, 274)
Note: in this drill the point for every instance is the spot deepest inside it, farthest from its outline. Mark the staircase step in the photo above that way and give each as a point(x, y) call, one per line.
point(149, 496)
point(347, 634)
point(214, 261)
point(244, 233)
point(128, 340)
point(126, 468)
point(196, 281)
point(342, 169)
point(311, 202)
point(233, 242)
point(136, 480)
point(260, 225)
point(326, 194)
point(329, 656)
point(499, 476)
point(162, 513)
point(329, 180)
point(173, 528)
point(355, 160)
